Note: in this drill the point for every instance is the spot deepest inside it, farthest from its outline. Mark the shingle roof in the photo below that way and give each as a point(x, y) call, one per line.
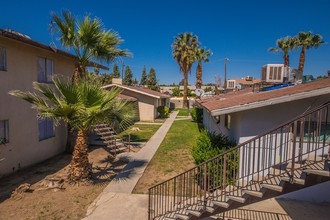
point(26, 40)
point(247, 99)
point(140, 90)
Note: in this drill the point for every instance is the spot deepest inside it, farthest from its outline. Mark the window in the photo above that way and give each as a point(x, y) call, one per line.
point(228, 121)
point(4, 131)
point(230, 84)
point(46, 129)
point(45, 69)
point(3, 59)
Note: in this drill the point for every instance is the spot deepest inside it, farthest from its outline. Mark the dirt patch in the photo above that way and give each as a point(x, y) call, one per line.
point(42, 191)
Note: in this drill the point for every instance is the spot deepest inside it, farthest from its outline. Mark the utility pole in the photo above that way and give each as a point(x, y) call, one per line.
point(122, 69)
point(225, 80)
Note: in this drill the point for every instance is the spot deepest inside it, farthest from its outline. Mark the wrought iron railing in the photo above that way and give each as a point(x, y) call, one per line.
point(272, 153)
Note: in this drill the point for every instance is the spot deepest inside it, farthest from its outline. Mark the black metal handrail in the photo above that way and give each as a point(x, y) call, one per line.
point(272, 153)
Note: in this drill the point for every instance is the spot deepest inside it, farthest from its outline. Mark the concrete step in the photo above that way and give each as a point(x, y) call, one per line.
point(105, 133)
point(240, 199)
point(293, 180)
point(273, 183)
point(182, 216)
point(317, 172)
point(256, 193)
point(196, 213)
point(272, 187)
point(298, 177)
point(221, 204)
point(118, 150)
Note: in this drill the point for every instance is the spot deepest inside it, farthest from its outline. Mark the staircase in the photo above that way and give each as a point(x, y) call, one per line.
point(288, 158)
point(108, 135)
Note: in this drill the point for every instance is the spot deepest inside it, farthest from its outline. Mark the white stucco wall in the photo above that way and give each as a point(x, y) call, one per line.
point(24, 147)
point(250, 123)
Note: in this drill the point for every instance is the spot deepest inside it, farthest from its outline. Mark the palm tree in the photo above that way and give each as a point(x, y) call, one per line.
point(81, 105)
point(307, 40)
point(88, 39)
point(183, 51)
point(202, 55)
point(285, 45)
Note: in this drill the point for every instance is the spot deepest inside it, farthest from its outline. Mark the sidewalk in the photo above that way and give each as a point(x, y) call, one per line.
point(116, 200)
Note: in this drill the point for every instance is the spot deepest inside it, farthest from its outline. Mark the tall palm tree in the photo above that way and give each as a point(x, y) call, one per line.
point(81, 105)
point(306, 40)
point(202, 55)
point(183, 51)
point(285, 45)
point(88, 39)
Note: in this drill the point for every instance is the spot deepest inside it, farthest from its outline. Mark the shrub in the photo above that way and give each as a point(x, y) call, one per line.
point(197, 114)
point(208, 146)
point(163, 111)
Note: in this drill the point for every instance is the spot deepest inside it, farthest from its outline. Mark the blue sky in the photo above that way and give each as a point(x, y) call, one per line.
point(240, 30)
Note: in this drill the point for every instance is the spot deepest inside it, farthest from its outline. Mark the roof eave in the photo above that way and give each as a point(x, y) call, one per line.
point(31, 42)
point(278, 100)
point(134, 90)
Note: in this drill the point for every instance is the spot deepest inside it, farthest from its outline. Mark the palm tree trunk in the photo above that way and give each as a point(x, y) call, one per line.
point(286, 60)
point(79, 167)
point(302, 60)
point(78, 72)
point(185, 90)
point(199, 76)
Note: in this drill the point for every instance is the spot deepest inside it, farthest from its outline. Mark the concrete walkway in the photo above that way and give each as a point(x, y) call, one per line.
point(116, 200)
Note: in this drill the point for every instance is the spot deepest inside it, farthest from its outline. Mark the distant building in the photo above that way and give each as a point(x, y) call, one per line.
point(147, 100)
point(242, 83)
point(277, 73)
point(168, 89)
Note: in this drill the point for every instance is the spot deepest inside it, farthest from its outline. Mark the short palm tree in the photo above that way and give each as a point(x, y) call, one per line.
point(88, 40)
point(202, 55)
point(183, 51)
point(81, 105)
point(285, 45)
point(306, 40)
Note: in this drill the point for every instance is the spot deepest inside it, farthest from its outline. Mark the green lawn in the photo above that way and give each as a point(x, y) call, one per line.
point(145, 133)
point(182, 111)
point(173, 155)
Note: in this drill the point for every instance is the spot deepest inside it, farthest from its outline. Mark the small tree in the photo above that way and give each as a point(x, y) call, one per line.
point(128, 77)
point(152, 80)
point(81, 105)
point(135, 82)
point(115, 71)
point(144, 77)
point(105, 79)
point(176, 91)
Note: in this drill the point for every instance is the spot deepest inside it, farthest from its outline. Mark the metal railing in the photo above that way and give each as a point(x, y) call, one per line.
point(273, 153)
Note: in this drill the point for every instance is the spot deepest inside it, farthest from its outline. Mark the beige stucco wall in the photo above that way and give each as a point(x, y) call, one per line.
point(147, 105)
point(24, 147)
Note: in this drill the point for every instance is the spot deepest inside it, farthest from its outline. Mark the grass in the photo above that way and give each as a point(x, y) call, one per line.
point(145, 133)
point(172, 157)
point(183, 111)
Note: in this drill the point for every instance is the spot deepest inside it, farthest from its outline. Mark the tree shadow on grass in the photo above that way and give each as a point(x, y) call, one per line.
point(132, 168)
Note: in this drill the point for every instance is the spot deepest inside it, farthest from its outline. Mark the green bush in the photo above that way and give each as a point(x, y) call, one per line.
point(163, 111)
point(197, 115)
point(208, 146)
